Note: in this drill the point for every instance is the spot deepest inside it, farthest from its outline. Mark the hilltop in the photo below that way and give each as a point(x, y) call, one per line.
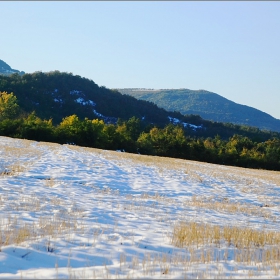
point(208, 105)
point(6, 69)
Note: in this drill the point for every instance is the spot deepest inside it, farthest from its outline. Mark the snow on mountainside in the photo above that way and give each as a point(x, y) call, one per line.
point(57, 95)
point(74, 212)
point(175, 121)
point(82, 101)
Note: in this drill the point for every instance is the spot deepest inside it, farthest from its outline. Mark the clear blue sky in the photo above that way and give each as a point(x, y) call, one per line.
point(230, 48)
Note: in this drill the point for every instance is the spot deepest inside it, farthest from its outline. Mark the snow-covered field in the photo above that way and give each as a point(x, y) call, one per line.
point(74, 212)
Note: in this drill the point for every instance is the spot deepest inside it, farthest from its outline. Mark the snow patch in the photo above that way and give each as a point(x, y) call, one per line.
point(176, 121)
point(84, 102)
point(192, 125)
point(98, 114)
point(58, 100)
point(90, 102)
point(75, 92)
point(107, 120)
point(81, 101)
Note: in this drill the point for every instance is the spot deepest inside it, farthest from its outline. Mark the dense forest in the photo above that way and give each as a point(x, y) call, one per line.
point(135, 136)
point(56, 95)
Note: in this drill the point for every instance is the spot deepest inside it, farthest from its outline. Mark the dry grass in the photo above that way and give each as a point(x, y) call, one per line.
point(210, 243)
point(189, 234)
point(13, 169)
point(17, 158)
point(232, 207)
point(13, 231)
point(50, 182)
point(151, 197)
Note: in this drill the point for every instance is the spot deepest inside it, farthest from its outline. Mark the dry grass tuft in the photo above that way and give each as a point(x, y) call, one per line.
point(13, 169)
point(232, 207)
point(189, 234)
point(212, 243)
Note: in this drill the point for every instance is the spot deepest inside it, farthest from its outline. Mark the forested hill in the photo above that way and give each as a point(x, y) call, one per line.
point(58, 95)
point(6, 69)
point(208, 105)
point(65, 108)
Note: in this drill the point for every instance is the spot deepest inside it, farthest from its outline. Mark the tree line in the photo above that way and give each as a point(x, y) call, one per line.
point(50, 96)
point(134, 136)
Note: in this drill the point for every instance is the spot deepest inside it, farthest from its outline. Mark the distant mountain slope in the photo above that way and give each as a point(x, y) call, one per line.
point(6, 69)
point(208, 105)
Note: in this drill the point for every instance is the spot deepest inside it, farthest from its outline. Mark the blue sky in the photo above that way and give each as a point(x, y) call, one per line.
point(230, 48)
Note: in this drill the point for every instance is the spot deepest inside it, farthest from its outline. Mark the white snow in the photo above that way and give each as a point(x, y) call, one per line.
point(92, 103)
point(192, 125)
point(80, 100)
point(75, 92)
point(58, 100)
point(174, 120)
point(74, 212)
point(84, 102)
point(177, 121)
point(98, 114)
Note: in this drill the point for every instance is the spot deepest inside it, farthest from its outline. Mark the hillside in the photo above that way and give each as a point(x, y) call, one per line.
point(6, 69)
point(70, 212)
point(209, 105)
point(57, 95)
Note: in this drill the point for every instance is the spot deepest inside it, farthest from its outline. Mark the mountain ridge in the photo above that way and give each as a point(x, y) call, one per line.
point(6, 69)
point(209, 105)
